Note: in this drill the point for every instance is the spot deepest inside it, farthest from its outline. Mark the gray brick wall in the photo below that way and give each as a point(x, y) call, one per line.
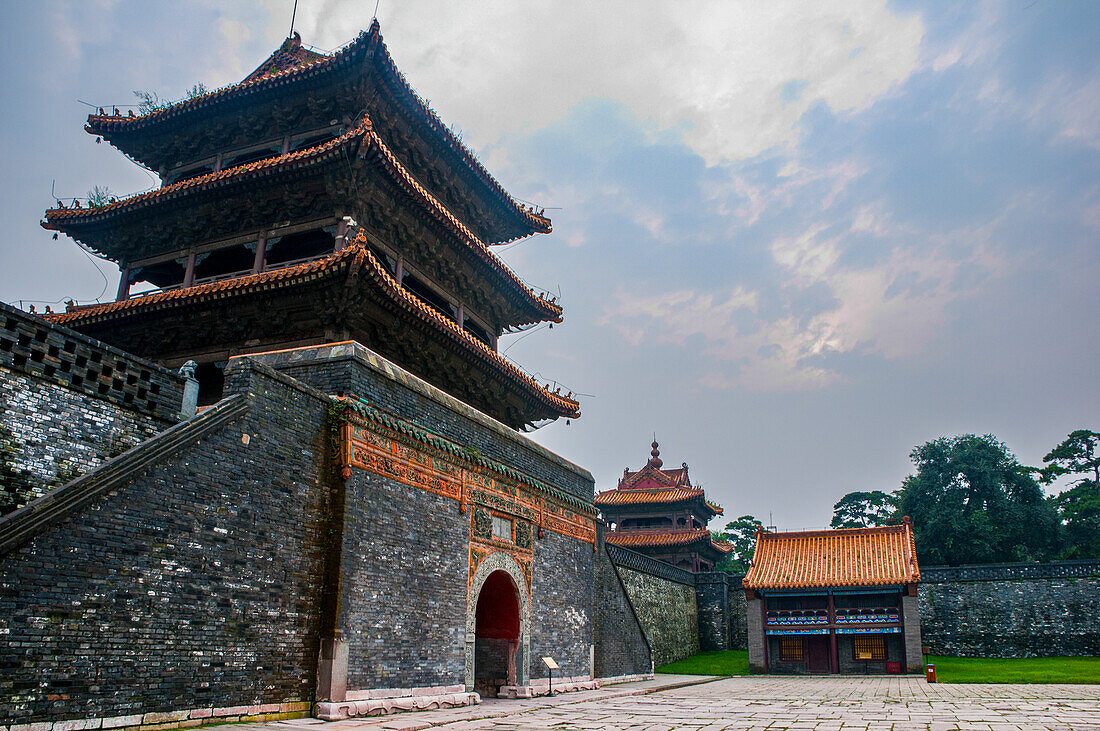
point(196, 584)
point(721, 611)
point(621, 647)
point(668, 612)
point(561, 604)
point(403, 585)
point(1027, 618)
point(50, 434)
point(754, 623)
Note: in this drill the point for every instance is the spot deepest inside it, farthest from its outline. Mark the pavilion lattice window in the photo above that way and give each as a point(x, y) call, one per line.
point(871, 647)
point(791, 649)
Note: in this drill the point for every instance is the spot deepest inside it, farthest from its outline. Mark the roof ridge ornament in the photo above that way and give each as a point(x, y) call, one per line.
point(655, 455)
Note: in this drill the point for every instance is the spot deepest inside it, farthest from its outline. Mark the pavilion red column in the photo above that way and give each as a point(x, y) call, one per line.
point(834, 656)
point(189, 275)
point(261, 255)
point(123, 285)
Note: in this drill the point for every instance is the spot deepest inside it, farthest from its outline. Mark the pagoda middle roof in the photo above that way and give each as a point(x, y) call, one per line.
point(355, 256)
point(665, 538)
point(69, 220)
point(290, 66)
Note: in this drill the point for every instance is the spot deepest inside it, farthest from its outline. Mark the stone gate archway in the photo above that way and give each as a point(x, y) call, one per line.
point(498, 612)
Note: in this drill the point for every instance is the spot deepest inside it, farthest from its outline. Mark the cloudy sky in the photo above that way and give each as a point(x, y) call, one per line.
point(793, 241)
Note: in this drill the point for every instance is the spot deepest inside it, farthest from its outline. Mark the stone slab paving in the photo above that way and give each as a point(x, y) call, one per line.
point(771, 703)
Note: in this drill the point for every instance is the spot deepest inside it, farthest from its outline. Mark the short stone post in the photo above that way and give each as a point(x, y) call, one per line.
point(190, 403)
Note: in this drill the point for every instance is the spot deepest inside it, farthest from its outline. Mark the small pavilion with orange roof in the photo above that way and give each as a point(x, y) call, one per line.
point(658, 512)
point(834, 601)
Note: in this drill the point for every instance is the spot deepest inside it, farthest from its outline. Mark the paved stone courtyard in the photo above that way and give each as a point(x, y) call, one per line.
point(826, 704)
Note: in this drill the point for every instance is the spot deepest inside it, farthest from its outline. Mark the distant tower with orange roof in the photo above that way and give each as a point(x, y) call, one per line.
point(659, 513)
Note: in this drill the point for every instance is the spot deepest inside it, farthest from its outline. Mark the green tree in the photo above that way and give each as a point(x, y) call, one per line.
point(741, 534)
point(865, 509)
point(971, 501)
point(99, 197)
point(1079, 506)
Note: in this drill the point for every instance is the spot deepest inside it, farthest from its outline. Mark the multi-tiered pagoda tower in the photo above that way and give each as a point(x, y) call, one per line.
point(319, 200)
point(659, 513)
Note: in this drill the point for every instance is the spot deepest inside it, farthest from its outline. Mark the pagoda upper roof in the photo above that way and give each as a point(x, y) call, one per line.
point(882, 556)
point(287, 57)
point(666, 538)
point(356, 257)
point(362, 139)
point(292, 65)
point(654, 485)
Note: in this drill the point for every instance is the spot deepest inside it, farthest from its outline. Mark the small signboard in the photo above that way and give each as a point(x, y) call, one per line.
point(549, 662)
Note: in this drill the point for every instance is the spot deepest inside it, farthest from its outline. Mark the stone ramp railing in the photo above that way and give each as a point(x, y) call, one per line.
point(626, 558)
point(20, 526)
point(1010, 571)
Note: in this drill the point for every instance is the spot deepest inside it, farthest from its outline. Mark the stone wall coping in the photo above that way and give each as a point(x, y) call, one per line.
point(247, 362)
point(719, 577)
point(58, 355)
point(36, 320)
point(1011, 571)
point(351, 350)
point(628, 559)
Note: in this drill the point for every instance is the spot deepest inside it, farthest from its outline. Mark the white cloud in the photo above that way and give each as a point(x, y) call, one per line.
point(715, 69)
point(893, 307)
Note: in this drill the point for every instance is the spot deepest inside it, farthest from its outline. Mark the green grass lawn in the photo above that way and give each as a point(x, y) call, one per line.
point(1016, 670)
point(717, 662)
point(948, 669)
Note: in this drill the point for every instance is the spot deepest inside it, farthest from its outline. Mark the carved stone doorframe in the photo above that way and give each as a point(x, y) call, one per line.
point(499, 561)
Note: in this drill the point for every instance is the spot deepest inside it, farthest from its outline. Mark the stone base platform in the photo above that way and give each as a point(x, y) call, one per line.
point(381, 702)
point(542, 687)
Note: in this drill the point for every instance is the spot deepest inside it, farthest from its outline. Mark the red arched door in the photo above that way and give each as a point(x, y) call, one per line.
point(496, 632)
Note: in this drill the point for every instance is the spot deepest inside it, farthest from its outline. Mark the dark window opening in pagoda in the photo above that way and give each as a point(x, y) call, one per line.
point(681, 522)
point(189, 174)
point(224, 263)
point(385, 259)
point(253, 156)
point(647, 523)
point(297, 248)
point(429, 296)
point(211, 383)
point(162, 274)
point(478, 332)
point(315, 140)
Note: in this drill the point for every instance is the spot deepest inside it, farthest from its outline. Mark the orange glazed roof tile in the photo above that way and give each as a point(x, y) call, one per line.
point(58, 218)
point(664, 538)
point(882, 556)
point(289, 68)
point(355, 255)
point(641, 497)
